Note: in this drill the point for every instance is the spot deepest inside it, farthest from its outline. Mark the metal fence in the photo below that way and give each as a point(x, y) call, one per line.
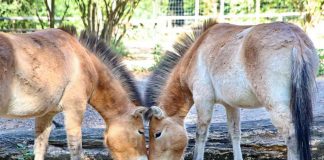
point(170, 17)
point(177, 13)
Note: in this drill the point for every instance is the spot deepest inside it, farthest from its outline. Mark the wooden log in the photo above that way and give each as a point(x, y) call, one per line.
point(260, 140)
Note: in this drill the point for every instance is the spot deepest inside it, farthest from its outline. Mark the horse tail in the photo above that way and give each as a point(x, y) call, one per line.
point(301, 102)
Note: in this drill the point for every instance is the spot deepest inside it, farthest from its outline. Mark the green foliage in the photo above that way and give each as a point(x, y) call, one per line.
point(277, 6)
point(239, 7)
point(157, 53)
point(157, 56)
point(107, 18)
point(120, 49)
point(63, 9)
point(14, 8)
point(29, 8)
point(144, 10)
point(26, 153)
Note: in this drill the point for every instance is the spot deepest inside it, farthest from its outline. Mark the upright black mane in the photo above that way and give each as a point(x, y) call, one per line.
point(112, 60)
point(160, 75)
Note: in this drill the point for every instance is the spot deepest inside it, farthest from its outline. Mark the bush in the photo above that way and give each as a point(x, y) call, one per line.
point(120, 49)
point(157, 56)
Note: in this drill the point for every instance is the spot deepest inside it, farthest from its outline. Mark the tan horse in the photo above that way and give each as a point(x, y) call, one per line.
point(50, 71)
point(271, 65)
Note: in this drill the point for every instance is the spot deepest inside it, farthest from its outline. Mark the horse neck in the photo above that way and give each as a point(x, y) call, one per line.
point(176, 97)
point(109, 97)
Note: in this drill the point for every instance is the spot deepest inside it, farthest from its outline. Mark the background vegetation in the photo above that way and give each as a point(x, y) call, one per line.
point(111, 19)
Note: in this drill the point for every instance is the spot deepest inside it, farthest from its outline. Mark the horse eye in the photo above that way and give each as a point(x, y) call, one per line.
point(157, 135)
point(141, 131)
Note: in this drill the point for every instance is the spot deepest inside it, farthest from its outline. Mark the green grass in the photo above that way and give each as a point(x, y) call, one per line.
point(26, 154)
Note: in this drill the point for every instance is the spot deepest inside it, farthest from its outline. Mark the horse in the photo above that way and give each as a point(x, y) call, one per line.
point(269, 65)
point(51, 71)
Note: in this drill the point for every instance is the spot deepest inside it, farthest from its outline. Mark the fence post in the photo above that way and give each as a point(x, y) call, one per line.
point(196, 10)
point(221, 10)
point(257, 11)
point(214, 8)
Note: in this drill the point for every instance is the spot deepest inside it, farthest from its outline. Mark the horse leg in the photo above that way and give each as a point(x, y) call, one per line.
point(234, 127)
point(73, 116)
point(43, 127)
point(281, 118)
point(204, 113)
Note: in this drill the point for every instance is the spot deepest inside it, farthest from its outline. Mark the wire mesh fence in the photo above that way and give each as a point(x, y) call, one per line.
point(157, 22)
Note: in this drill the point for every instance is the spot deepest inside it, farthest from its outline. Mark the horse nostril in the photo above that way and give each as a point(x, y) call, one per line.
point(147, 149)
point(141, 131)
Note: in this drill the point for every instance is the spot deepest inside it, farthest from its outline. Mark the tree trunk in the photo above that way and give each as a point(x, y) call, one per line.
point(52, 14)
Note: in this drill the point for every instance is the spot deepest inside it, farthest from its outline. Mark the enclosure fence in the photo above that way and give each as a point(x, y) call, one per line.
point(167, 18)
point(179, 13)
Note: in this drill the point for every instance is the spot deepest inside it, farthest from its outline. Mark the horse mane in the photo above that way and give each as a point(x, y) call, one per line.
point(160, 75)
point(111, 59)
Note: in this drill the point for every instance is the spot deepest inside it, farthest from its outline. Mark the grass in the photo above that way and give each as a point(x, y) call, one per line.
point(26, 154)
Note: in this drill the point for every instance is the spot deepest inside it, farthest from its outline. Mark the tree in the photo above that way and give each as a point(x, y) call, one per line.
point(107, 18)
point(14, 8)
point(313, 11)
point(51, 13)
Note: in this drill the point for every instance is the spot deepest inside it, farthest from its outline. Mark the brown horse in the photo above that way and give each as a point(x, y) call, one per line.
point(271, 65)
point(50, 71)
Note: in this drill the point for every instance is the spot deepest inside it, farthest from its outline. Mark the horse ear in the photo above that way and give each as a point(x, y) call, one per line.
point(139, 112)
point(157, 112)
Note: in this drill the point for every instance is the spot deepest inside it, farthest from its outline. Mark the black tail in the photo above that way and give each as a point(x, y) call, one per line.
point(303, 82)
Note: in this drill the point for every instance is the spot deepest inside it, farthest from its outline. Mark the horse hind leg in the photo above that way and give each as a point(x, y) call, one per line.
point(43, 127)
point(276, 99)
point(281, 119)
point(234, 128)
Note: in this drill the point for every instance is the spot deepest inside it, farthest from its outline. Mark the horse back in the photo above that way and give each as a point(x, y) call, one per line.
point(44, 63)
point(268, 55)
point(219, 64)
point(248, 63)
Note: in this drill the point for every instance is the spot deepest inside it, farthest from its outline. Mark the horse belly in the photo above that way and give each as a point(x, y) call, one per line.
point(26, 106)
point(30, 101)
point(234, 89)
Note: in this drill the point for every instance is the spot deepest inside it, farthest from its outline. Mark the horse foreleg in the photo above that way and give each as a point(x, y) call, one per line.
point(204, 113)
point(43, 127)
point(73, 116)
point(281, 118)
point(234, 128)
